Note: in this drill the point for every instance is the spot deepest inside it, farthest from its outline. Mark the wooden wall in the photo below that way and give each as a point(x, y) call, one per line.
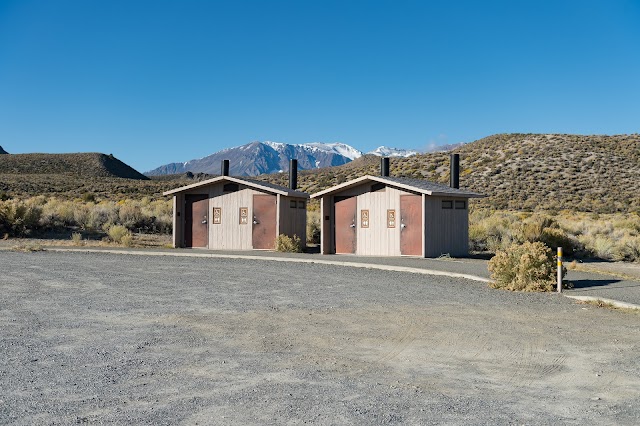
point(326, 225)
point(377, 239)
point(293, 220)
point(230, 234)
point(178, 220)
point(446, 230)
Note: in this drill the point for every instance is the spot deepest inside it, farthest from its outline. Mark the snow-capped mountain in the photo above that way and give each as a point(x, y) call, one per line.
point(385, 151)
point(256, 158)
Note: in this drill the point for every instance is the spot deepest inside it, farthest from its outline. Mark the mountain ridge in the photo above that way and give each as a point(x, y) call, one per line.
point(593, 173)
point(2, 151)
point(257, 158)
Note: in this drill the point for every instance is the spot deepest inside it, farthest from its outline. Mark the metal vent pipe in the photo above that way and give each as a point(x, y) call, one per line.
point(455, 171)
point(225, 168)
point(293, 174)
point(384, 166)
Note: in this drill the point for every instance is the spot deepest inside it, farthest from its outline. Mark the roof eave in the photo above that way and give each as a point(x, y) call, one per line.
point(362, 179)
point(236, 180)
point(342, 186)
point(461, 195)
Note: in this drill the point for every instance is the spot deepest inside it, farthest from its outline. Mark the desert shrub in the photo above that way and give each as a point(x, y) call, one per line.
point(18, 218)
point(102, 216)
point(117, 233)
point(285, 243)
point(491, 230)
point(127, 240)
point(600, 246)
point(530, 266)
point(313, 227)
point(81, 216)
point(76, 237)
point(631, 249)
point(533, 229)
point(130, 215)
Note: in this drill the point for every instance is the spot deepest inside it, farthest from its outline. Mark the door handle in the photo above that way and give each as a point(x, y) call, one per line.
point(402, 225)
point(255, 222)
point(353, 225)
point(204, 221)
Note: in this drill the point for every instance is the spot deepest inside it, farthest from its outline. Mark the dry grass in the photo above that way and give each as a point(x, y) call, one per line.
point(27, 248)
point(138, 241)
point(607, 305)
point(613, 237)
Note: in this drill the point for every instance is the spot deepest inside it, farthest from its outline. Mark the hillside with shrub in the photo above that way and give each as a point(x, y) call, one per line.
point(519, 172)
point(578, 192)
point(86, 165)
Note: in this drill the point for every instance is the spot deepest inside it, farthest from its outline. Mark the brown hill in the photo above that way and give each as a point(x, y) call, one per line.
point(516, 171)
point(86, 165)
point(520, 171)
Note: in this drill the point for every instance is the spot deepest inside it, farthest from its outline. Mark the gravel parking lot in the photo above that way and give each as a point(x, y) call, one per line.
point(101, 338)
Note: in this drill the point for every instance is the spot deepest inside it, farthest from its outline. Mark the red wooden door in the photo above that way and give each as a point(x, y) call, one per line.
point(411, 225)
point(264, 222)
point(196, 229)
point(345, 224)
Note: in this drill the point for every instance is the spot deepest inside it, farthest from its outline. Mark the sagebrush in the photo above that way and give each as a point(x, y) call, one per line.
point(287, 244)
point(530, 266)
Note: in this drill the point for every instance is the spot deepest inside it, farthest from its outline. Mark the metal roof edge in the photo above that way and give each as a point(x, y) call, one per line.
point(382, 179)
point(251, 183)
point(341, 186)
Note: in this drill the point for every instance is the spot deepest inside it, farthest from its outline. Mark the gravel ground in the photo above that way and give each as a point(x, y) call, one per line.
point(100, 338)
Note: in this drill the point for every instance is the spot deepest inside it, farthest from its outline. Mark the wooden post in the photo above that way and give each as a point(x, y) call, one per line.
point(559, 269)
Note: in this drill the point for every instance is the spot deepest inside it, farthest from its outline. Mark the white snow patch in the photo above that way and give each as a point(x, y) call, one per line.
point(385, 151)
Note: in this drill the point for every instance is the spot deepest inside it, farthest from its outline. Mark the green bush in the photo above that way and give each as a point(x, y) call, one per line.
point(287, 244)
point(530, 266)
point(118, 233)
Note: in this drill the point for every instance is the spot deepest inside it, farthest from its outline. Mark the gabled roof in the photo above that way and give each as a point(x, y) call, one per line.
point(416, 185)
point(256, 184)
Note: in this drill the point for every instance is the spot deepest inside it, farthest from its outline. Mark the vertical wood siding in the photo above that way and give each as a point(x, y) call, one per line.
point(178, 220)
point(326, 225)
point(293, 221)
point(446, 230)
point(378, 239)
point(230, 234)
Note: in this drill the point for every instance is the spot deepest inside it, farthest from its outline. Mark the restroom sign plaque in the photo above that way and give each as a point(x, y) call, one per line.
point(244, 215)
point(364, 218)
point(391, 218)
point(217, 215)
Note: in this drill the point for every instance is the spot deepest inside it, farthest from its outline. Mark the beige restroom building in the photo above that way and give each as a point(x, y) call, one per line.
point(231, 213)
point(395, 216)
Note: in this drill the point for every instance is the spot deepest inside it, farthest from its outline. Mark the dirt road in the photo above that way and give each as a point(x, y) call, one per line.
point(103, 338)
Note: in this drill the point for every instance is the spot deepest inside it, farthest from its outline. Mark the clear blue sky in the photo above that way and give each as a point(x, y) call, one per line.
point(161, 81)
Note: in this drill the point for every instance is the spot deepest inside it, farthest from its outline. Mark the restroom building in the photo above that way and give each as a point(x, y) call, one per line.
point(231, 213)
point(396, 216)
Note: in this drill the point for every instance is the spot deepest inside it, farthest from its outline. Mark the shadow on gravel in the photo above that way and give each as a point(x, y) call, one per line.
point(584, 284)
